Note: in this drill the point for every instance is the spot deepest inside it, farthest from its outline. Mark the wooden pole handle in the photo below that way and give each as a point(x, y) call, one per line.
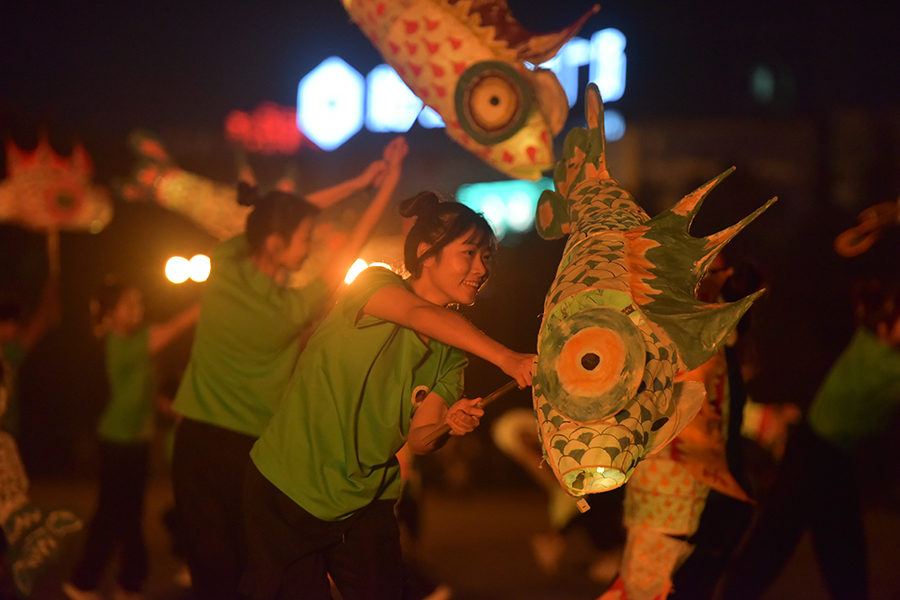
point(445, 429)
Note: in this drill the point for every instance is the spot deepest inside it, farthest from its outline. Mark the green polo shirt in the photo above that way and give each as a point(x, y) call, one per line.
point(128, 416)
point(332, 443)
point(859, 394)
point(246, 342)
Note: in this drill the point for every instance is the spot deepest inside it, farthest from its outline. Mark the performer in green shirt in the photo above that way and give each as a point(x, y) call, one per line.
point(125, 429)
point(384, 368)
point(816, 487)
point(247, 343)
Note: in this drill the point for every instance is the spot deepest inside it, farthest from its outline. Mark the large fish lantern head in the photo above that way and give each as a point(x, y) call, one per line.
point(466, 60)
point(45, 191)
point(621, 318)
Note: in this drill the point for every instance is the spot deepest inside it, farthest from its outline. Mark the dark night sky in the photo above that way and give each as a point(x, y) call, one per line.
point(95, 71)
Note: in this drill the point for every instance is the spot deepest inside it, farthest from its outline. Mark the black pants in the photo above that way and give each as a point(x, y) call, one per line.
point(815, 489)
point(292, 552)
point(208, 465)
point(118, 521)
point(722, 525)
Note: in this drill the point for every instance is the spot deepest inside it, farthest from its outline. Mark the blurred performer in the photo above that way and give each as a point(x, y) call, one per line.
point(245, 349)
point(725, 518)
point(18, 336)
point(30, 536)
point(670, 551)
point(125, 430)
point(815, 488)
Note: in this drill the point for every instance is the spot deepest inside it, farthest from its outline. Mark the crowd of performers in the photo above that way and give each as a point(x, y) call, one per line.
point(285, 465)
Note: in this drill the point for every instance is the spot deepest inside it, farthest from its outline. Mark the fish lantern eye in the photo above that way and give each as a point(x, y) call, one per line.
point(493, 101)
point(591, 361)
point(62, 200)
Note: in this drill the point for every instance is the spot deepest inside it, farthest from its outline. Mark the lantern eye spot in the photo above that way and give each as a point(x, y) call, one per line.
point(493, 101)
point(590, 361)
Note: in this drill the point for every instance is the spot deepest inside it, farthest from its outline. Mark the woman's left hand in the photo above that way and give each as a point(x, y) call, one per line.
point(373, 173)
point(464, 416)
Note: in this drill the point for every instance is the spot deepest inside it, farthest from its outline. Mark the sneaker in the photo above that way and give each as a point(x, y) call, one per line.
point(76, 594)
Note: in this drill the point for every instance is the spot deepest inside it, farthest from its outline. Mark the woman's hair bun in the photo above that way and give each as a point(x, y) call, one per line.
point(420, 204)
point(247, 195)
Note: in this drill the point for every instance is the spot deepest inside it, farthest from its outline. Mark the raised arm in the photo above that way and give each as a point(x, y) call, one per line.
point(398, 305)
point(46, 316)
point(336, 193)
point(335, 271)
point(163, 334)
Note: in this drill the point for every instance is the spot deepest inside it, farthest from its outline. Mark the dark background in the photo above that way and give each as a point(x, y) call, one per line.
point(828, 144)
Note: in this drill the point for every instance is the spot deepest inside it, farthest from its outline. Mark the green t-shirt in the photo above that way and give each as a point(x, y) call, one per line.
point(128, 416)
point(332, 443)
point(246, 343)
point(859, 394)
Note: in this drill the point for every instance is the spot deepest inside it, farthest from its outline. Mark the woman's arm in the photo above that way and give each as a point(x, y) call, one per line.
point(161, 335)
point(462, 418)
point(45, 317)
point(336, 270)
point(398, 305)
point(336, 193)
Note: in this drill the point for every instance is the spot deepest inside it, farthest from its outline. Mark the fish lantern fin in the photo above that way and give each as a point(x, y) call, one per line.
point(153, 161)
point(552, 218)
point(540, 48)
point(688, 397)
point(551, 98)
point(697, 330)
point(674, 263)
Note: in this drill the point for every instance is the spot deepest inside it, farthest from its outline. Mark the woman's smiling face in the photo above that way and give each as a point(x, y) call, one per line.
point(460, 269)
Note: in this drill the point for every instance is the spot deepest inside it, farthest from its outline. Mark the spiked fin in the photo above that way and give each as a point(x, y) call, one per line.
point(698, 330)
point(149, 147)
point(596, 148)
point(683, 213)
point(542, 47)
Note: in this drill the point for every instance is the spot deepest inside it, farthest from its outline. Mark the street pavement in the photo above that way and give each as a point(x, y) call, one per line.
point(479, 543)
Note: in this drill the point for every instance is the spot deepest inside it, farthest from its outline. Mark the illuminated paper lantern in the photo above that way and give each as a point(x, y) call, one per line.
point(211, 204)
point(46, 192)
point(620, 319)
point(665, 497)
point(269, 129)
point(466, 61)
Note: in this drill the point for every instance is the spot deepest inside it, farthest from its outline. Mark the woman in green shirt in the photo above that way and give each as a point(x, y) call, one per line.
point(125, 430)
point(246, 346)
point(384, 369)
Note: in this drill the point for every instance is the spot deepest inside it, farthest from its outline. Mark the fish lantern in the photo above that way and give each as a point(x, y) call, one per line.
point(466, 60)
point(621, 318)
point(210, 204)
point(47, 192)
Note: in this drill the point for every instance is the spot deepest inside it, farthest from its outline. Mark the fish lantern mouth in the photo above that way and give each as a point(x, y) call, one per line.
point(590, 362)
point(591, 480)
